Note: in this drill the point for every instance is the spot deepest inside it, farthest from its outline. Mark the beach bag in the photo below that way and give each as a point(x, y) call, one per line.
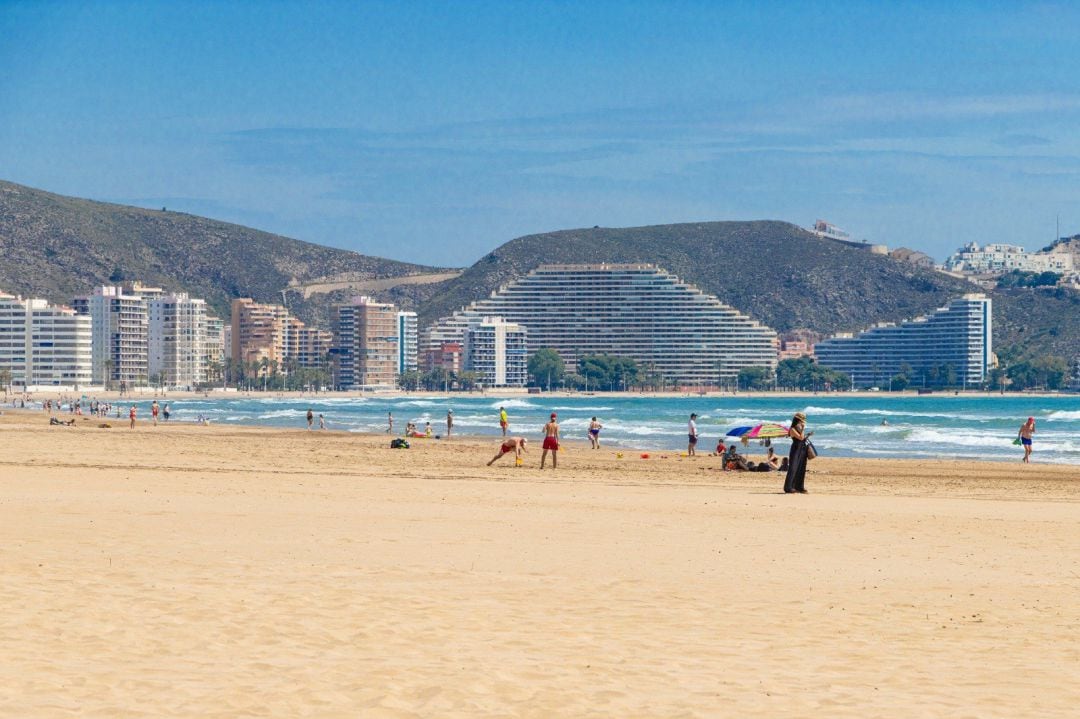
point(399, 443)
point(811, 450)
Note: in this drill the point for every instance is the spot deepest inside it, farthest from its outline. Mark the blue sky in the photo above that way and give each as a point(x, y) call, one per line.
point(433, 132)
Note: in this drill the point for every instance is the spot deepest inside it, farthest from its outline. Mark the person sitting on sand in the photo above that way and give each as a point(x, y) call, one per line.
point(551, 442)
point(510, 444)
point(772, 460)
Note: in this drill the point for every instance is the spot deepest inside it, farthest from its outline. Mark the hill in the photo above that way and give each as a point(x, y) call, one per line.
point(58, 247)
point(774, 271)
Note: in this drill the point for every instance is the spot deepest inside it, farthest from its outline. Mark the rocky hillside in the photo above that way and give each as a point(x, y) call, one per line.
point(56, 247)
point(775, 271)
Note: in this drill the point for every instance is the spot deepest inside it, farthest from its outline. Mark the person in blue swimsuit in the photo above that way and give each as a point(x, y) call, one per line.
point(1026, 430)
point(594, 433)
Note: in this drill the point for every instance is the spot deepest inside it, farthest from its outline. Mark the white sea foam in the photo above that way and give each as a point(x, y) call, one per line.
point(1063, 416)
point(964, 438)
point(514, 404)
point(283, 413)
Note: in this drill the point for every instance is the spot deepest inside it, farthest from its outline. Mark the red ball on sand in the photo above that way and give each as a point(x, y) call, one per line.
point(644, 455)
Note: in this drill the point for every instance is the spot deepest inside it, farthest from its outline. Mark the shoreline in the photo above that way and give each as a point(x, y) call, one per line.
point(149, 394)
point(459, 439)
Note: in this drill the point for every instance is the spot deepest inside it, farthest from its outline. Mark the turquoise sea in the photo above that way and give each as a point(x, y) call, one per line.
point(846, 425)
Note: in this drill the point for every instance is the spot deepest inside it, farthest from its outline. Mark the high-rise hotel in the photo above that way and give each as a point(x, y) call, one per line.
point(637, 311)
point(958, 335)
point(43, 345)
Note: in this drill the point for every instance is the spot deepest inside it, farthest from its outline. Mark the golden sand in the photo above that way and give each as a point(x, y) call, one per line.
point(232, 572)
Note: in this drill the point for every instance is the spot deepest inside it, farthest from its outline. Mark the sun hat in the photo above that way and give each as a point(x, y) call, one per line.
point(800, 415)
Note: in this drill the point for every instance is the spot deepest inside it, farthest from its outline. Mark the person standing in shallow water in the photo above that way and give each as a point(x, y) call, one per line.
point(310, 418)
point(795, 479)
point(1026, 430)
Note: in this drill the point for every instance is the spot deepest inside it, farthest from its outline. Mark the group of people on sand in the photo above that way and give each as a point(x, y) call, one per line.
point(517, 444)
point(793, 466)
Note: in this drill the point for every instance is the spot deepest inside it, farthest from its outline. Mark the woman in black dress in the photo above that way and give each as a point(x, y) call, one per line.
point(796, 473)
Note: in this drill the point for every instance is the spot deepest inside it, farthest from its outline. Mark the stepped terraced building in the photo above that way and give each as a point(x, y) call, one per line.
point(957, 335)
point(638, 311)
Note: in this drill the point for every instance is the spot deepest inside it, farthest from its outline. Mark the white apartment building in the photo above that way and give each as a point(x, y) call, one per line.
point(43, 345)
point(408, 343)
point(636, 311)
point(176, 338)
point(997, 259)
point(958, 335)
point(497, 350)
point(120, 343)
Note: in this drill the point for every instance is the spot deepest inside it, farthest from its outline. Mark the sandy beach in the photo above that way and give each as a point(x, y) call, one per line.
point(230, 572)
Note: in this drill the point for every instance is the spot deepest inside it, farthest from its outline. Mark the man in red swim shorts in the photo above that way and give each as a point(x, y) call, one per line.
point(510, 444)
point(551, 442)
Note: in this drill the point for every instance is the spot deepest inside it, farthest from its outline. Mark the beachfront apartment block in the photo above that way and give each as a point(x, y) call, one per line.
point(957, 336)
point(258, 332)
point(44, 345)
point(120, 335)
point(408, 343)
point(447, 356)
point(268, 336)
point(305, 347)
point(366, 344)
point(631, 310)
point(214, 349)
point(176, 339)
point(497, 351)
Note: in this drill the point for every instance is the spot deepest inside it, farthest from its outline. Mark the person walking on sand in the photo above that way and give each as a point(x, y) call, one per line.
point(692, 436)
point(389, 422)
point(504, 421)
point(310, 418)
point(551, 442)
point(165, 411)
point(322, 421)
point(154, 409)
point(510, 444)
point(795, 479)
point(131, 417)
point(1026, 430)
point(594, 433)
point(449, 422)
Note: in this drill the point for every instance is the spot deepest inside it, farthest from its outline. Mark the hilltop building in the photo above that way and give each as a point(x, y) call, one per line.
point(366, 344)
point(636, 311)
point(958, 335)
point(497, 350)
point(997, 259)
point(408, 343)
point(176, 339)
point(43, 345)
point(120, 335)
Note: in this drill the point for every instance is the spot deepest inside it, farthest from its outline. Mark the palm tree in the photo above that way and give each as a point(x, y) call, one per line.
point(108, 365)
point(264, 367)
point(5, 380)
